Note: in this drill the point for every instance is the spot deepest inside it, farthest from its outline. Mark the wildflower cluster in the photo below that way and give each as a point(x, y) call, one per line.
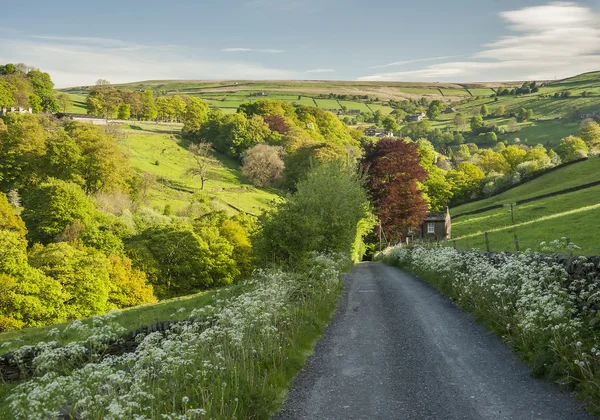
point(215, 364)
point(529, 299)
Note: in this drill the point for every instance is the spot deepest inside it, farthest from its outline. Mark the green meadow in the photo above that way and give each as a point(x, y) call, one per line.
point(158, 150)
point(572, 215)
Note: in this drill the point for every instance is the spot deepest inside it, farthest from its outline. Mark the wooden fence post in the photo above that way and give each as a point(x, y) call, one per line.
point(487, 242)
point(517, 243)
point(454, 241)
point(468, 246)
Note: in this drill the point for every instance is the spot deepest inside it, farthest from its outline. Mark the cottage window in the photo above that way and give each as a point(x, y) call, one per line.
point(430, 227)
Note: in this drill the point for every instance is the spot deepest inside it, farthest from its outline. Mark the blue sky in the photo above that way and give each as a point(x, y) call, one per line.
point(461, 40)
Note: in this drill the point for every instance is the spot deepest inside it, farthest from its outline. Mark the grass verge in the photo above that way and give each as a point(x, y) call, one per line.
point(234, 359)
point(547, 315)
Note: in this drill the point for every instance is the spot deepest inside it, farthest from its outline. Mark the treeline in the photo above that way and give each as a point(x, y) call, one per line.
point(106, 101)
point(26, 87)
point(77, 237)
point(276, 142)
point(471, 172)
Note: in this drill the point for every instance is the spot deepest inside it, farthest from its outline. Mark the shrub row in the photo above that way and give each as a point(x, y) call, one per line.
point(546, 307)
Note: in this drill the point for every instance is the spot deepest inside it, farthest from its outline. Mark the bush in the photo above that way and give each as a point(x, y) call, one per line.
point(263, 164)
point(323, 216)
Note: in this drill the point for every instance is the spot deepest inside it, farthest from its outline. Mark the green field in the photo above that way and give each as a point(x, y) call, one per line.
point(560, 179)
point(148, 144)
point(481, 91)
point(553, 117)
point(356, 105)
point(571, 215)
point(328, 104)
point(77, 105)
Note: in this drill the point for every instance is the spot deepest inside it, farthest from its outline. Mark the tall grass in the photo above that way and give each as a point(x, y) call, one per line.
point(234, 360)
point(549, 318)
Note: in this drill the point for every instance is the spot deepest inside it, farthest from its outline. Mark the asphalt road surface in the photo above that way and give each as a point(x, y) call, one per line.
point(397, 349)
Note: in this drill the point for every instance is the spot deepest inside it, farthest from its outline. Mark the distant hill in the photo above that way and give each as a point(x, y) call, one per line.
point(554, 118)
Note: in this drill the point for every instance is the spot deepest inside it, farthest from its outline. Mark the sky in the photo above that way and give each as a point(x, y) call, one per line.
point(79, 42)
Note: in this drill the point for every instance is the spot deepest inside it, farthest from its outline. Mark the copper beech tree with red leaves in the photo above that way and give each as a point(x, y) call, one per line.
point(393, 170)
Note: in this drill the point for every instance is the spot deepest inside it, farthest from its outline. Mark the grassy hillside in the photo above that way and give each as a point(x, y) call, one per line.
point(157, 149)
point(229, 94)
point(553, 116)
point(560, 179)
point(573, 215)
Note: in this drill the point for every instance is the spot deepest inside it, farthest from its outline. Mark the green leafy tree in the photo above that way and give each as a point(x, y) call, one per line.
point(513, 156)
point(590, 133)
point(128, 285)
point(9, 220)
point(43, 87)
point(103, 166)
point(239, 237)
point(460, 121)
point(63, 157)
point(571, 148)
point(499, 111)
point(323, 215)
point(176, 260)
point(22, 148)
point(463, 151)
point(491, 137)
point(195, 116)
point(390, 124)
point(436, 190)
point(458, 139)
point(538, 156)
point(52, 206)
point(484, 111)
point(28, 298)
point(124, 111)
point(465, 180)
point(476, 123)
point(149, 110)
point(7, 94)
point(63, 101)
point(104, 100)
point(491, 161)
point(435, 109)
point(83, 273)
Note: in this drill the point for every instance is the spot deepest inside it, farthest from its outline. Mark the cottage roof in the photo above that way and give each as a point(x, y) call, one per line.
point(435, 217)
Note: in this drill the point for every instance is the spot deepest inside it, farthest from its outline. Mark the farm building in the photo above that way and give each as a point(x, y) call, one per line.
point(4, 111)
point(449, 110)
point(436, 226)
point(413, 118)
point(378, 132)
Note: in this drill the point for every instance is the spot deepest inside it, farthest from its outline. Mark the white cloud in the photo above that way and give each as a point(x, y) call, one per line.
point(259, 50)
point(550, 41)
point(418, 60)
point(76, 61)
point(320, 71)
